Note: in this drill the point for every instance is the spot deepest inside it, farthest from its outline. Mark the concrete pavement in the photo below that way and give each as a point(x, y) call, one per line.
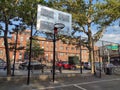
point(80, 82)
point(44, 81)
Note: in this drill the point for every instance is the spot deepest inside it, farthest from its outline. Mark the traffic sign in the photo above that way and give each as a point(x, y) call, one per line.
point(113, 47)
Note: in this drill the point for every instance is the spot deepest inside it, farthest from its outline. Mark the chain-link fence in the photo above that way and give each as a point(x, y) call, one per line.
point(109, 53)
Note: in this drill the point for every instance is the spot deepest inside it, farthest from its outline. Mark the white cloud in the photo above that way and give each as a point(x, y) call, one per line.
point(111, 38)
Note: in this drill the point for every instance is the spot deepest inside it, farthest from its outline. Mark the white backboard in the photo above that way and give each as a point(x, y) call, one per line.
point(47, 17)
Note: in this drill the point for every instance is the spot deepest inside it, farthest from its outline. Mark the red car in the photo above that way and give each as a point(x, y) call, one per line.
point(65, 65)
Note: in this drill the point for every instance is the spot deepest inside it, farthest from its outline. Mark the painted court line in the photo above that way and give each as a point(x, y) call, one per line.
point(76, 85)
point(98, 81)
point(80, 87)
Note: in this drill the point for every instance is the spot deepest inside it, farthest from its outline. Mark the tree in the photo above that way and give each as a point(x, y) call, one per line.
point(86, 15)
point(7, 12)
point(36, 50)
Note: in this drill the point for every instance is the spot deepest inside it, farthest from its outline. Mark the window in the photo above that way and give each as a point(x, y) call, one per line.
point(47, 47)
point(61, 48)
point(72, 48)
point(51, 55)
point(3, 43)
point(27, 38)
point(66, 53)
point(21, 39)
point(14, 37)
point(38, 41)
point(61, 54)
point(42, 42)
point(77, 48)
point(84, 51)
point(67, 48)
point(20, 55)
point(1, 52)
point(21, 44)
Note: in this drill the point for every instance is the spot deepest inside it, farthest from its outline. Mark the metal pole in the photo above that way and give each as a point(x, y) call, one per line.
point(93, 56)
point(30, 53)
point(118, 52)
point(54, 46)
point(99, 62)
point(103, 56)
point(80, 57)
point(15, 52)
point(108, 56)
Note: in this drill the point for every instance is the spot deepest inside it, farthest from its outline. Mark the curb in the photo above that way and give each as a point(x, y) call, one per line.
point(42, 77)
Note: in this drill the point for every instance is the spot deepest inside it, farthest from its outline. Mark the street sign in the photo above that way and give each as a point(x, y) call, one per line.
point(113, 47)
point(48, 17)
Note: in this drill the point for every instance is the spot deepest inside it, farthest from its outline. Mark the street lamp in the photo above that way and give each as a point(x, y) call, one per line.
point(56, 27)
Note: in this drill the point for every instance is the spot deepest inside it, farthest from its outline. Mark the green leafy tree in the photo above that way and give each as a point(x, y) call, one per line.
point(36, 50)
point(7, 12)
point(87, 14)
point(28, 13)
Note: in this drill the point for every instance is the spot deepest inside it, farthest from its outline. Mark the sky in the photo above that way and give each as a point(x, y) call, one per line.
point(112, 33)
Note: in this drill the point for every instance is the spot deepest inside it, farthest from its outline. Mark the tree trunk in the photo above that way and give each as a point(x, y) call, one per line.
point(91, 48)
point(91, 58)
point(7, 50)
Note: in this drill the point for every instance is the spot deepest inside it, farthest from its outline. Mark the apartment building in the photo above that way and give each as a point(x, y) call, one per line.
point(63, 51)
point(2, 48)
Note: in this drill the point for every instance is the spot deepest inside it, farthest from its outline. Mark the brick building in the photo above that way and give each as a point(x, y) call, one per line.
point(62, 50)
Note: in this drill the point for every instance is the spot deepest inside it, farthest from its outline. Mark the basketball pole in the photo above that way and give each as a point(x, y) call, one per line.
point(30, 53)
point(54, 46)
point(80, 57)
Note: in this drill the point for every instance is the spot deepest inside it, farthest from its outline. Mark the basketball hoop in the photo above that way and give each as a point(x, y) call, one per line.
point(59, 25)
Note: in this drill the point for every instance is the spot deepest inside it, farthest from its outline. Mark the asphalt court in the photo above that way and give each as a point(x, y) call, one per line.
point(107, 84)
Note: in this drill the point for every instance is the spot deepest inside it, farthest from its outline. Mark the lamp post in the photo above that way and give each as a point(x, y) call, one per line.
point(56, 27)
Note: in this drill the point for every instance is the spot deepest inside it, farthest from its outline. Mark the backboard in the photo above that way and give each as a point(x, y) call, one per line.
point(48, 17)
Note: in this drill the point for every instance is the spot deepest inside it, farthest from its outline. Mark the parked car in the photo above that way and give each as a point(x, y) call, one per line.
point(98, 66)
point(87, 65)
point(35, 65)
point(2, 64)
point(77, 66)
point(65, 65)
